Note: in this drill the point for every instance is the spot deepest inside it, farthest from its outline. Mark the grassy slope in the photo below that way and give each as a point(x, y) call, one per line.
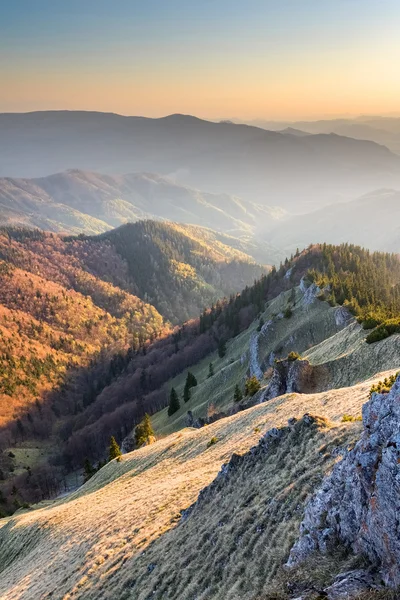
point(89, 541)
point(312, 331)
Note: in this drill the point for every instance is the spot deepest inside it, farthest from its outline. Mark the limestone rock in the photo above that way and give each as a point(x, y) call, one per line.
point(350, 585)
point(358, 504)
point(286, 378)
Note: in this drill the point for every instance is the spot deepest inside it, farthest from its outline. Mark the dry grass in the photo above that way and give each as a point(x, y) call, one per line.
point(91, 544)
point(236, 539)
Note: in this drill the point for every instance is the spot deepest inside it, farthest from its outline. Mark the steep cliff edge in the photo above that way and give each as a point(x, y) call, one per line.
point(358, 504)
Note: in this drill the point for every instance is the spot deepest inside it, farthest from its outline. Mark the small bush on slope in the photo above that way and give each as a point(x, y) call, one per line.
point(383, 387)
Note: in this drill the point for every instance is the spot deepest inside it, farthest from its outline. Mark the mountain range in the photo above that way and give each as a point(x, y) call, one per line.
point(265, 167)
point(382, 130)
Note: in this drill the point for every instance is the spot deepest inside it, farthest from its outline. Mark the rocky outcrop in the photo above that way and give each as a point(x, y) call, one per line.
point(342, 316)
point(254, 366)
point(287, 377)
point(358, 505)
point(198, 422)
point(310, 292)
point(351, 584)
point(270, 440)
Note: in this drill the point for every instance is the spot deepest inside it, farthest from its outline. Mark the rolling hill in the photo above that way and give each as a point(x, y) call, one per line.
point(266, 167)
point(83, 202)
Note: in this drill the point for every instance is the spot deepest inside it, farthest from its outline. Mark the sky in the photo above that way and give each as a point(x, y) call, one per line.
point(249, 59)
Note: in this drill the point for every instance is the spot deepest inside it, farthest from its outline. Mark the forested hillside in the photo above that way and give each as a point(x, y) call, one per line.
point(75, 311)
point(109, 395)
point(178, 269)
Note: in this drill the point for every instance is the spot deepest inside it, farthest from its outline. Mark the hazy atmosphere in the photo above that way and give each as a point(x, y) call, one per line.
point(200, 300)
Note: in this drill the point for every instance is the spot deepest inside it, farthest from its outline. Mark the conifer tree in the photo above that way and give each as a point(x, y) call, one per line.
point(237, 395)
point(114, 450)
point(144, 431)
point(88, 470)
point(191, 380)
point(210, 370)
point(186, 393)
point(221, 348)
point(174, 404)
point(260, 324)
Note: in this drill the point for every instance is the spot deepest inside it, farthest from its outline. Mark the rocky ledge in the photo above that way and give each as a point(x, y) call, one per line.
point(358, 504)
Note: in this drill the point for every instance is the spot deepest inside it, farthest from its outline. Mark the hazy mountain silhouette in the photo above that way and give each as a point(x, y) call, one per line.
point(382, 130)
point(267, 167)
point(372, 221)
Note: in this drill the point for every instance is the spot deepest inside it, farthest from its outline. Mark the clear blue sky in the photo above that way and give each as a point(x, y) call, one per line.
point(253, 58)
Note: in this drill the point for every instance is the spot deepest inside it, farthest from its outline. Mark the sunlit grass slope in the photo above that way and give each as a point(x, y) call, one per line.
point(329, 337)
point(95, 543)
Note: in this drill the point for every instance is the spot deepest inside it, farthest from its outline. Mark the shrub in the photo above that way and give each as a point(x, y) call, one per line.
point(350, 419)
point(377, 335)
point(288, 313)
point(370, 323)
point(383, 387)
point(292, 356)
point(213, 441)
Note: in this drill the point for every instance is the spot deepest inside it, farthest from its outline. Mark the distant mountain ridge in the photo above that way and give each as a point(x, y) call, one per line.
point(266, 167)
point(373, 221)
point(382, 130)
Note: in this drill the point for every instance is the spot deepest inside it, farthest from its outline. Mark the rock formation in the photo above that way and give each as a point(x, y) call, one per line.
point(358, 504)
point(288, 376)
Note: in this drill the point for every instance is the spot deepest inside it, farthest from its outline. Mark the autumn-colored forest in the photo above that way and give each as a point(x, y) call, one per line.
point(77, 313)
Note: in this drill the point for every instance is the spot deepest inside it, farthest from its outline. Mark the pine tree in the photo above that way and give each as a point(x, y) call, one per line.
point(210, 370)
point(237, 395)
point(88, 470)
point(221, 348)
point(260, 324)
point(114, 450)
point(174, 404)
point(191, 380)
point(144, 431)
point(186, 393)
